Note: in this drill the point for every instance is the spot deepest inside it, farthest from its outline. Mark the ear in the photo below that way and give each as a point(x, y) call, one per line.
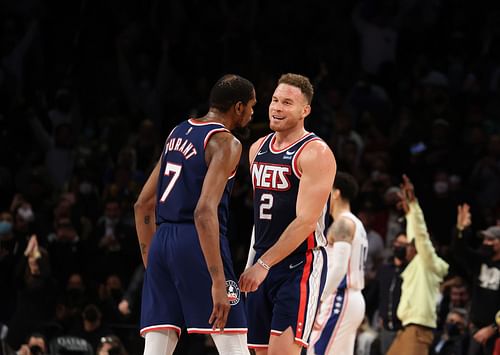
point(307, 110)
point(239, 107)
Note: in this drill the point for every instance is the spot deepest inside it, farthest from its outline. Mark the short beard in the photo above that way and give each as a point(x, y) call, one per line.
point(242, 133)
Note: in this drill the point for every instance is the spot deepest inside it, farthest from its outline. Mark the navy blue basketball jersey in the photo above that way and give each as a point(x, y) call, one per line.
point(183, 170)
point(276, 178)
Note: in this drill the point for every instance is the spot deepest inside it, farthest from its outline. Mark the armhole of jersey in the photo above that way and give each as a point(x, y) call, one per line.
point(211, 133)
point(295, 167)
point(260, 147)
point(233, 174)
point(207, 138)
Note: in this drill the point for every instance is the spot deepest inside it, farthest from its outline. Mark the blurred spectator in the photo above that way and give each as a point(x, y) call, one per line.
point(455, 295)
point(35, 345)
point(114, 244)
point(453, 338)
point(9, 254)
point(91, 328)
point(421, 279)
point(483, 267)
point(389, 291)
point(111, 345)
point(66, 249)
point(35, 293)
point(130, 304)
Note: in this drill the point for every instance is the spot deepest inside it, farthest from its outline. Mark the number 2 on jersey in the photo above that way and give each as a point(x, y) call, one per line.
point(175, 170)
point(265, 207)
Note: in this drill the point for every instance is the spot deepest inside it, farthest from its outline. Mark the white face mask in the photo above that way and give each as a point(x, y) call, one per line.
point(441, 187)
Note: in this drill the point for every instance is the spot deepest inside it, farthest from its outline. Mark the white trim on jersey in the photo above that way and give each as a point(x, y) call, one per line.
point(314, 289)
point(258, 346)
point(217, 331)
point(279, 151)
point(152, 328)
point(319, 233)
point(211, 133)
point(295, 168)
point(195, 122)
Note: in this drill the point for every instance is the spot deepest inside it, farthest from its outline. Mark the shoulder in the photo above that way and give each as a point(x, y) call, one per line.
point(314, 151)
point(316, 147)
point(343, 229)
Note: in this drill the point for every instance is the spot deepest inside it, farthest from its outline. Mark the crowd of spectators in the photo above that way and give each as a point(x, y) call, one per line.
point(90, 89)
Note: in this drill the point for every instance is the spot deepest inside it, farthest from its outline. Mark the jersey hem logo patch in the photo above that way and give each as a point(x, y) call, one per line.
point(233, 292)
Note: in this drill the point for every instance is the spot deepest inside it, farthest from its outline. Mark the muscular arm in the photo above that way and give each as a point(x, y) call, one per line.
point(144, 213)
point(315, 185)
point(222, 155)
point(340, 235)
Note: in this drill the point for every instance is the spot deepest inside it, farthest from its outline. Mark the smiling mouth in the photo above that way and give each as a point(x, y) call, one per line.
point(279, 118)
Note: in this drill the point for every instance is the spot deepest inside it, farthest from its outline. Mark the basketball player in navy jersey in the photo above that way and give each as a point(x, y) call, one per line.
point(342, 306)
point(292, 172)
point(189, 280)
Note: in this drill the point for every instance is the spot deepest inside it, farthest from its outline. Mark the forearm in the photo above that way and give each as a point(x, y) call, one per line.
point(207, 226)
point(290, 239)
point(251, 250)
point(145, 227)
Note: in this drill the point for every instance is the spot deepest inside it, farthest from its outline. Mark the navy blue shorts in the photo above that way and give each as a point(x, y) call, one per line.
point(288, 297)
point(177, 290)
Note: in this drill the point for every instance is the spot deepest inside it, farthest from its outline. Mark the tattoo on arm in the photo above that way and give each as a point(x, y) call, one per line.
point(146, 219)
point(143, 247)
point(341, 231)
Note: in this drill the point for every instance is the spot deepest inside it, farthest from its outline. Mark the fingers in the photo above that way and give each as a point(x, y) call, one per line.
point(247, 285)
point(219, 315)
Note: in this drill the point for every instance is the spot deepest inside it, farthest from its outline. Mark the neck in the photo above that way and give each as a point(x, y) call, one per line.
point(340, 207)
point(215, 115)
point(285, 138)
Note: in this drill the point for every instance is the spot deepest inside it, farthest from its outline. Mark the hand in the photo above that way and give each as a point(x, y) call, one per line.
point(483, 334)
point(32, 250)
point(406, 195)
point(252, 277)
point(463, 216)
point(24, 350)
point(124, 307)
point(221, 307)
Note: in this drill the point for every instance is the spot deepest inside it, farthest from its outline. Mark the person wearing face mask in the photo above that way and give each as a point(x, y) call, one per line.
point(389, 291)
point(421, 280)
point(453, 340)
point(483, 264)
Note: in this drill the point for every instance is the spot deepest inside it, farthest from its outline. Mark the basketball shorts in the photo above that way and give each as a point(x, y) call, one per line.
point(337, 322)
point(288, 297)
point(177, 289)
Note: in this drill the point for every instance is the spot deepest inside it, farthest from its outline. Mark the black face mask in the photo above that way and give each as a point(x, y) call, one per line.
point(486, 250)
point(452, 329)
point(399, 253)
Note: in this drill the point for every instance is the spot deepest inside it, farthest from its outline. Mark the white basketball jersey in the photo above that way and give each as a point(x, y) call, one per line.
point(355, 277)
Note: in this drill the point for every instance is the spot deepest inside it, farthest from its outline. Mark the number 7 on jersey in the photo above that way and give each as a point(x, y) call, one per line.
point(175, 171)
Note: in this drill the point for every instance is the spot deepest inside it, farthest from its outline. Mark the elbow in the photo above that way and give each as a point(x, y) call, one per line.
point(201, 215)
point(142, 205)
point(309, 224)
